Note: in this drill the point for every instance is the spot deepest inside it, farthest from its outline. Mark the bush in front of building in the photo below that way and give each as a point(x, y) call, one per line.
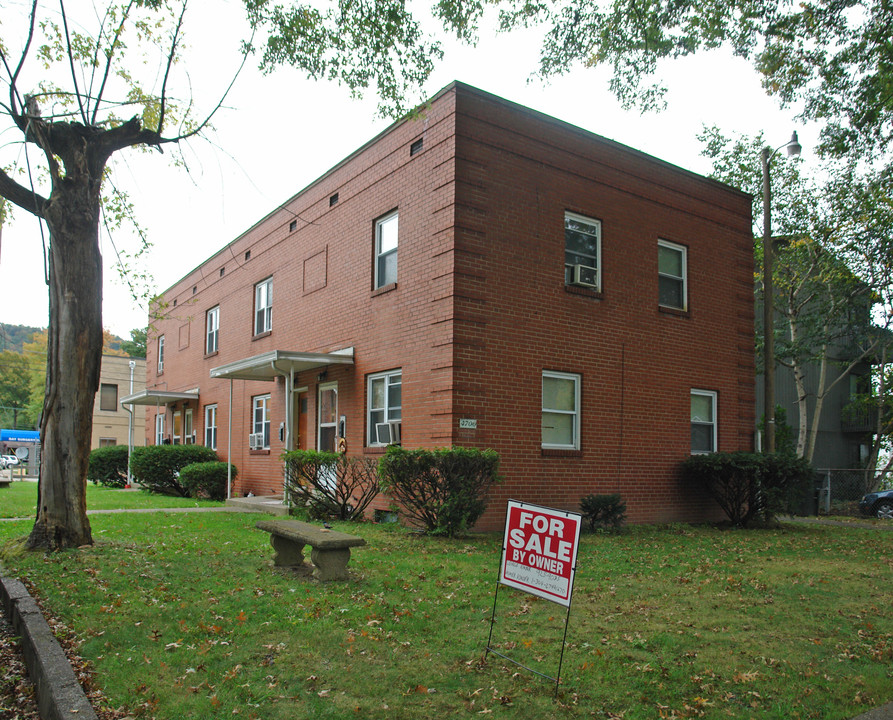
point(108, 466)
point(749, 486)
point(603, 512)
point(157, 467)
point(445, 490)
point(330, 485)
point(207, 479)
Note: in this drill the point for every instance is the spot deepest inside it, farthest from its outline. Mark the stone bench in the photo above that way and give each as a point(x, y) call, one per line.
point(330, 549)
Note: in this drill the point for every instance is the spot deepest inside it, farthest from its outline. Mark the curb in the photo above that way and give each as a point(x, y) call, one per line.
point(59, 694)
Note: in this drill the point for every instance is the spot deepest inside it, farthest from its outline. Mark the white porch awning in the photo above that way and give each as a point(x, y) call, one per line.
point(158, 397)
point(278, 363)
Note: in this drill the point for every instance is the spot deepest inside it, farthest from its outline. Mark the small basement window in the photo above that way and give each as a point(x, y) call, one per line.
point(293, 225)
point(416, 147)
point(247, 255)
point(333, 200)
point(222, 270)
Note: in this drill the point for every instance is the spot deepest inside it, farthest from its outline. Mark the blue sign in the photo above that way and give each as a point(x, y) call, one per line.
point(24, 436)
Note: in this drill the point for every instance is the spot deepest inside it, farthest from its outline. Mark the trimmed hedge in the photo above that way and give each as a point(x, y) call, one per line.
point(751, 485)
point(157, 467)
point(443, 491)
point(330, 485)
point(108, 466)
point(206, 479)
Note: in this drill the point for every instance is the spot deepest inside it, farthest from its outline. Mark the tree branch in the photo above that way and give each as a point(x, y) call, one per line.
point(20, 195)
point(74, 78)
point(108, 61)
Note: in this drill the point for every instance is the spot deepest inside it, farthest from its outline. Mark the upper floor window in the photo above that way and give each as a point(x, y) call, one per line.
point(582, 251)
point(108, 397)
point(211, 426)
point(386, 250)
point(561, 411)
point(383, 407)
point(161, 354)
point(212, 330)
point(260, 424)
point(703, 422)
point(671, 270)
point(263, 306)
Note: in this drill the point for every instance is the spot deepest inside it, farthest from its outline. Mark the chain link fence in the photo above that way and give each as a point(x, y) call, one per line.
point(839, 490)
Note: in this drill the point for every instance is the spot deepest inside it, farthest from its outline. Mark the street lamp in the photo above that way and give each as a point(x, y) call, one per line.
point(793, 148)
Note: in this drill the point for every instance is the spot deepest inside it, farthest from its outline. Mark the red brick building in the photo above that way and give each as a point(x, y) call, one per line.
point(481, 275)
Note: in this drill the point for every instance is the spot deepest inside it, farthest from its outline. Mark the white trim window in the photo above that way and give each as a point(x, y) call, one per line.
point(582, 251)
point(260, 423)
point(188, 432)
point(672, 274)
point(211, 426)
point(703, 422)
point(159, 429)
point(263, 306)
point(561, 411)
point(386, 250)
point(160, 354)
point(212, 330)
point(384, 402)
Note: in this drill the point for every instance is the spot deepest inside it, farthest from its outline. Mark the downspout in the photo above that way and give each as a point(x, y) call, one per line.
point(229, 445)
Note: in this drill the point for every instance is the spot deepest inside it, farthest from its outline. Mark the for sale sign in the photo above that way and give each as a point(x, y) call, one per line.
point(540, 551)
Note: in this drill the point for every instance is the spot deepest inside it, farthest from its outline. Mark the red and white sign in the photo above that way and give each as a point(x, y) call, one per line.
point(540, 551)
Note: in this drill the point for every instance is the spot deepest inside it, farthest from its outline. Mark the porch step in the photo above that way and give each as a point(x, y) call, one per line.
point(272, 504)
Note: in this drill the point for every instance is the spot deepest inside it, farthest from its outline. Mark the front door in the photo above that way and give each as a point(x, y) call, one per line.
point(327, 426)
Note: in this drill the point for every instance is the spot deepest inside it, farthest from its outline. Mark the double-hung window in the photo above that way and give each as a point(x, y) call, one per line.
point(383, 406)
point(263, 306)
point(161, 354)
point(672, 272)
point(386, 250)
point(561, 411)
point(159, 429)
point(261, 422)
point(582, 251)
point(211, 426)
point(703, 422)
point(212, 330)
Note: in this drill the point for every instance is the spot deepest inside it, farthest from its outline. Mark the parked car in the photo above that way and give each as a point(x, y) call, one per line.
point(10, 460)
point(2, 462)
point(879, 504)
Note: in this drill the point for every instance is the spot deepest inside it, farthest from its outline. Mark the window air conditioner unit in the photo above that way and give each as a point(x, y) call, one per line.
point(256, 441)
point(388, 433)
point(585, 276)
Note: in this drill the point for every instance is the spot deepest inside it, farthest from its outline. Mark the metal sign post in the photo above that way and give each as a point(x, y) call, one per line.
point(539, 557)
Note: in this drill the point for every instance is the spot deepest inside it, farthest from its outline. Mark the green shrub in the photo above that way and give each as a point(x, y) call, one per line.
point(603, 511)
point(207, 479)
point(108, 466)
point(443, 491)
point(157, 467)
point(330, 485)
point(750, 485)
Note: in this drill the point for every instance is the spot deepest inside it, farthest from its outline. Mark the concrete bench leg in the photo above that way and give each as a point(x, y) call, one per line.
point(288, 552)
point(330, 564)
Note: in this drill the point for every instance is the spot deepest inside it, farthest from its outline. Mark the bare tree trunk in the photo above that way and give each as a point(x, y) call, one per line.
point(74, 354)
point(809, 450)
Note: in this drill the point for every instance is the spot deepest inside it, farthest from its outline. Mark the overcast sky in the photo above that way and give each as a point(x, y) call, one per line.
point(280, 132)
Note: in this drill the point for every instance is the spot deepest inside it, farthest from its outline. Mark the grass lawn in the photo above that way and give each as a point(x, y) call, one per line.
point(184, 616)
point(19, 500)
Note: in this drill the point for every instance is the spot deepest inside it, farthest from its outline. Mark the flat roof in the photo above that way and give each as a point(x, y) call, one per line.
point(278, 363)
point(158, 397)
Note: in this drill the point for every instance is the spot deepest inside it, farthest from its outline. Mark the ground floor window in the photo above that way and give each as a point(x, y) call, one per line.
point(384, 407)
point(211, 426)
point(561, 411)
point(107, 442)
point(260, 432)
point(159, 429)
point(703, 421)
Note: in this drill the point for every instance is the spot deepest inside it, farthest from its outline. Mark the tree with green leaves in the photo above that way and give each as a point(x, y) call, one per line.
point(823, 306)
point(136, 346)
point(15, 390)
point(85, 82)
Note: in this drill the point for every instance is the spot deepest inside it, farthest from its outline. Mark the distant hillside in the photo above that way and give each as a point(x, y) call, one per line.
point(13, 336)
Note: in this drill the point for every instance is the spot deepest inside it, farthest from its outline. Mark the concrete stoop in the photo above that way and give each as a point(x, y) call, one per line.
point(271, 504)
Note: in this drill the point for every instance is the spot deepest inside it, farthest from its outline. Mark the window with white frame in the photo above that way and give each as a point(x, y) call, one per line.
point(260, 425)
point(161, 354)
point(188, 432)
point(561, 411)
point(159, 429)
point(177, 427)
point(582, 251)
point(703, 422)
point(211, 426)
point(107, 442)
point(386, 250)
point(672, 272)
point(212, 330)
point(384, 403)
point(263, 306)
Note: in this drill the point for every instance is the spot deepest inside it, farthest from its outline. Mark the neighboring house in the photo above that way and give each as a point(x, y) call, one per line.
point(481, 275)
point(111, 419)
